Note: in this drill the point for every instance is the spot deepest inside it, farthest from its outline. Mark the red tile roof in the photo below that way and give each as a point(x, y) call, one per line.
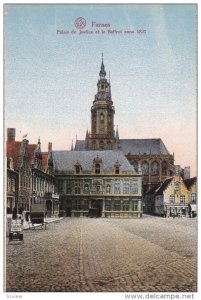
point(13, 150)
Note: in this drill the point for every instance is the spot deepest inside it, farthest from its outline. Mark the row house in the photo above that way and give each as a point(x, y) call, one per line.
point(175, 196)
point(30, 175)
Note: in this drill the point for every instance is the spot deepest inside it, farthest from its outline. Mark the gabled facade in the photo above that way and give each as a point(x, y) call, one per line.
point(170, 198)
point(30, 176)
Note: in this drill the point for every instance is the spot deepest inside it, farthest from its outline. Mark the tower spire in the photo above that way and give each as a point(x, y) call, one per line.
point(102, 72)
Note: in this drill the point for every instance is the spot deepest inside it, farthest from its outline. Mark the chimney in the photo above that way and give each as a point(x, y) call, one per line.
point(10, 134)
point(49, 147)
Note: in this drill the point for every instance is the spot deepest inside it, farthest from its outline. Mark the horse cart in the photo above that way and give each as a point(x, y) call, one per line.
point(38, 216)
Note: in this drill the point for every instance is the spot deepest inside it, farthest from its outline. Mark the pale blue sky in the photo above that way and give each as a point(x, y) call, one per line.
point(50, 79)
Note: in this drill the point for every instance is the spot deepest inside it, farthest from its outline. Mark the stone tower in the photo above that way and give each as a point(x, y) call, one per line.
point(102, 136)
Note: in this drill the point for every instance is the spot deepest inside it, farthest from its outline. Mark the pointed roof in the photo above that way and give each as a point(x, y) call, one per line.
point(102, 72)
point(189, 182)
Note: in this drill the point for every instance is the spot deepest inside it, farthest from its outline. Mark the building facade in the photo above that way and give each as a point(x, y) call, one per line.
point(30, 176)
point(172, 198)
point(102, 181)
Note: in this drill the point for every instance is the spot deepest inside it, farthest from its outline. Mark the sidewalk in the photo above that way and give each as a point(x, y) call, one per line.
point(28, 225)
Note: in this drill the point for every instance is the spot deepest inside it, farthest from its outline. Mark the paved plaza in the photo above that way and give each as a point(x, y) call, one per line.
point(151, 254)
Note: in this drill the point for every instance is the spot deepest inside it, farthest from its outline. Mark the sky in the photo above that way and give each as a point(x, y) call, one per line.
point(50, 79)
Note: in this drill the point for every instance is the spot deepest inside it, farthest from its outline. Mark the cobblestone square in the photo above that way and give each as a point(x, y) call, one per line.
point(150, 254)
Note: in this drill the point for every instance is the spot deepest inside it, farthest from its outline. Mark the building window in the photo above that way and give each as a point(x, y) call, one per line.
point(193, 198)
point(182, 199)
point(126, 205)
point(108, 205)
point(126, 187)
point(134, 187)
point(134, 205)
point(171, 199)
point(80, 205)
point(134, 163)
point(102, 117)
point(77, 169)
point(77, 187)
point(164, 168)
point(117, 187)
point(145, 168)
point(117, 205)
point(116, 170)
point(101, 142)
point(176, 186)
point(94, 145)
point(154, 168)
point(60, 186)
point(97, 168)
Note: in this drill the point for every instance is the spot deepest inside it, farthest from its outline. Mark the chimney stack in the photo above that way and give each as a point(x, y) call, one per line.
point(10, 134)
point(49, 147)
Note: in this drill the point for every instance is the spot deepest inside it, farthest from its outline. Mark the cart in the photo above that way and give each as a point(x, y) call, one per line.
point(37, 216)
point(16, 233)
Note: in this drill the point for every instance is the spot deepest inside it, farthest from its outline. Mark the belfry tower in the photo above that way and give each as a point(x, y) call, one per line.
point(102, 136)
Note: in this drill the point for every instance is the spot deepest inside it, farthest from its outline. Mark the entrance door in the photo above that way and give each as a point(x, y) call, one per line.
point(96, 208)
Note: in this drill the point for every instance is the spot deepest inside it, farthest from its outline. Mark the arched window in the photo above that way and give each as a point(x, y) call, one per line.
point(182, 199)
point(97, 168)
point(134, 163)
point(164, 168)
point(145, 168)
point(177, 186)
point(154, 168)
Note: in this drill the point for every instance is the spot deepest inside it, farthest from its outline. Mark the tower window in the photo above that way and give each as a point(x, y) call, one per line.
point(101, 117)
point(102, 86)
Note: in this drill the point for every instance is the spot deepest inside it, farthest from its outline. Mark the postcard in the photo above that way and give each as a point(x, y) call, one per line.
point(101, 150)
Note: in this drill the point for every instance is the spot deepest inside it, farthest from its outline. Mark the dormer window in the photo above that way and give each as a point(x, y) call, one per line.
point(97, 165)
point(117, 167)
point(78, 168)
point(116, 170)
point(97, 168)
